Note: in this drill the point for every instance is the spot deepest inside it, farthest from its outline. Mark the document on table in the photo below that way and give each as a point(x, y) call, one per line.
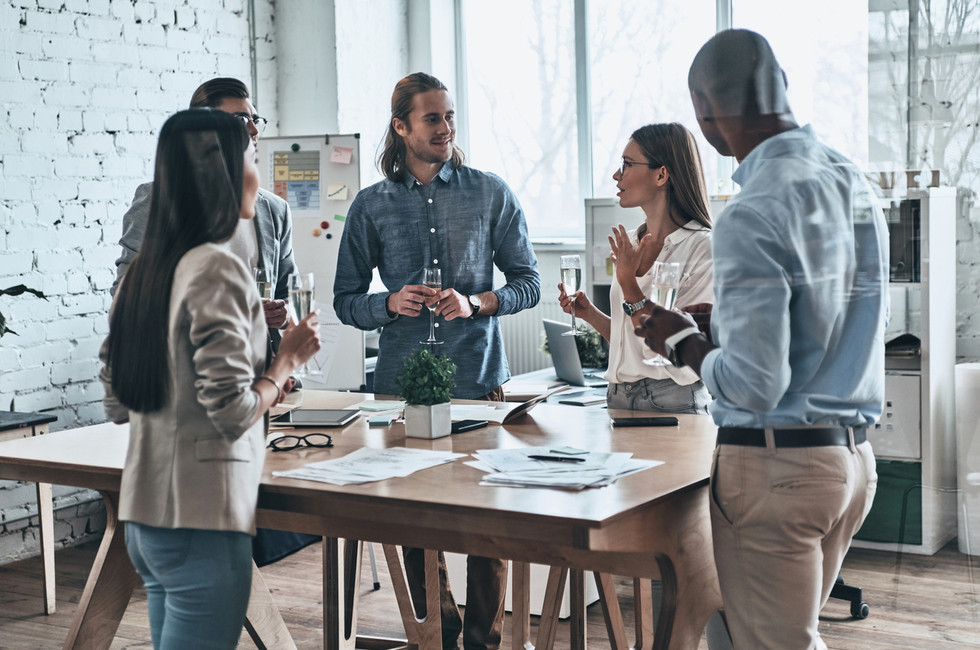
point(366, 465)
point(515, 467)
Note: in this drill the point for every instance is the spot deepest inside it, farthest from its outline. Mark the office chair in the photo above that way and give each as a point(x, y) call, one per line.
point(841, 591)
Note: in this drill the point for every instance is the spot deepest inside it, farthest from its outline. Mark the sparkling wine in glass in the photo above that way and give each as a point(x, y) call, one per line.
point(666, 279)
point(263, 282)
point(433, 280)
point(301, 301)
point(571, 280)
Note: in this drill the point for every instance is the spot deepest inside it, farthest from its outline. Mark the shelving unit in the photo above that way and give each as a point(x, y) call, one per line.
point(914, 443)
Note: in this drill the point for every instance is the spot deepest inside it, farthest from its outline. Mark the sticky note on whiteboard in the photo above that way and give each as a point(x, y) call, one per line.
point(337, 191)
point(341, 155)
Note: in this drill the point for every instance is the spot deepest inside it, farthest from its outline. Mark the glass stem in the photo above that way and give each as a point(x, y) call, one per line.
point(432, 326)
point(573, 317)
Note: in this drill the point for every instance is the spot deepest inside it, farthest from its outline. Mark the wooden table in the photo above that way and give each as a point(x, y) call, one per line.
point(650, 524)
point(25, 425)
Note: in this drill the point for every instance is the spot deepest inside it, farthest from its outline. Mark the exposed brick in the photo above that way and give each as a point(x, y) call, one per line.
point(40, 400)
point(69, 328)
point(45, 354)
point(77, 371)
point(94, 28)
point(22, 380)
point(85, 393)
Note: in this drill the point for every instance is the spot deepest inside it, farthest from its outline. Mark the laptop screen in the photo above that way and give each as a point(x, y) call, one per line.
point(564, 355)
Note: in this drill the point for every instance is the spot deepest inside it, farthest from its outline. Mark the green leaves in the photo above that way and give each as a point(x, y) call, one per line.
point(15, 290)
point(426, 379)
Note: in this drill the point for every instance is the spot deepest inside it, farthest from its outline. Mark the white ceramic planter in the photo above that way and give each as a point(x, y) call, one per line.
point(428, 421)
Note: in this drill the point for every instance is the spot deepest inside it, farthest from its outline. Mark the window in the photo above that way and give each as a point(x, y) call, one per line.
point(521, 93)
point(525, 110)
point(640, 55)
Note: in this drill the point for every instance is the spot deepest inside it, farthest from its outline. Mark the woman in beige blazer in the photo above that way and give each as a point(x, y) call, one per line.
point(185, 364)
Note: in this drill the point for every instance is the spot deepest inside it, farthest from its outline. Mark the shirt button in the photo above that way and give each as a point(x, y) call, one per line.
point(435, 261)
point(432, 229)
point(430, 200)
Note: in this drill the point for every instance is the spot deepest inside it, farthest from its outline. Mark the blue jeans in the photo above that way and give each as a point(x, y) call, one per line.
point(659, 395)
point(197, 584)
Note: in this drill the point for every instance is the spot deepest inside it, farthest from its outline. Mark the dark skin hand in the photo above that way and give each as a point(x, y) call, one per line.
point(658, 324)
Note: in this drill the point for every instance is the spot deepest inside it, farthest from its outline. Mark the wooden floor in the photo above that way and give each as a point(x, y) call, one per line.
point(916, 602)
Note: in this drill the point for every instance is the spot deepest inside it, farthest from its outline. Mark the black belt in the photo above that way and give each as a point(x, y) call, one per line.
point(803, 437)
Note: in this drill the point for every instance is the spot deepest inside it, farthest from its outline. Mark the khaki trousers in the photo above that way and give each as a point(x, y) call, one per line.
point(782, 520)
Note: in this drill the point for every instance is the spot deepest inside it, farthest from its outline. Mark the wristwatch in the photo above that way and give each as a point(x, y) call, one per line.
point(674, 340)
point(475, 303)
point(632, 307)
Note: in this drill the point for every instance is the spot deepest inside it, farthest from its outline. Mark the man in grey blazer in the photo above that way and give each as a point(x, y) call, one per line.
point(266, 242)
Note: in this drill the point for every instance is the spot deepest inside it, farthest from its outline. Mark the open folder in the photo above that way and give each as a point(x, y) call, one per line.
point(521, 409)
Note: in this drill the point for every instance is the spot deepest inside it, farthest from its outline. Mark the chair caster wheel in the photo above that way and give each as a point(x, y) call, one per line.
point(860, 610)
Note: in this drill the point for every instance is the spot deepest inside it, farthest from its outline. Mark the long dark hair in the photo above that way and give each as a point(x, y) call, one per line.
point(197, 197)
point(673, 146)
point(392, 158)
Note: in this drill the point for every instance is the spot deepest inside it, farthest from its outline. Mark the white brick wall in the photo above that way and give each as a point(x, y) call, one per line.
point(84, 87)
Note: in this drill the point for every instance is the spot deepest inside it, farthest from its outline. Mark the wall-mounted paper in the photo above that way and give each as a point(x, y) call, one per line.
point(341, 155)
point(337, 191)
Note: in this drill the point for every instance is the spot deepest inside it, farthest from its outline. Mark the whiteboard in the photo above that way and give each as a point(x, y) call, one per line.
point(319, 176)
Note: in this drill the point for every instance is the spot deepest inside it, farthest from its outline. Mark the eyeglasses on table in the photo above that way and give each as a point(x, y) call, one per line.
point(290, 442)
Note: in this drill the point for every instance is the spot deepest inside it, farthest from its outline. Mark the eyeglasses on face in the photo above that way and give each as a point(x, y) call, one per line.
point(629, 163)
point(256, 120)
point(288, 443)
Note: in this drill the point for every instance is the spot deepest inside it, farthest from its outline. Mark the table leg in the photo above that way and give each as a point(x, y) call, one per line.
point(263, 621)
point(551, 608)
point(521, 606)
point(611, 612)
point(341, 569)
point(108, 589)
point(425, 633)
point(45, 511)
point(576, 605)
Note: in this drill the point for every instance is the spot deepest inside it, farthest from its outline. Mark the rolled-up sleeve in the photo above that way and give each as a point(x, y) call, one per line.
point(514, 255)
point(220, 316)
point(356, 260)
point(752, 315)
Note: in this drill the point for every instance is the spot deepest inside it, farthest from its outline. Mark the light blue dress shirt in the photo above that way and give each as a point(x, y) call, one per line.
point(465, 221)
point(801, 291)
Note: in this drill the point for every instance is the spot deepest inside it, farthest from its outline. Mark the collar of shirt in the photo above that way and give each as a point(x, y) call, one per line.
point(444, 175)
point(773, 147)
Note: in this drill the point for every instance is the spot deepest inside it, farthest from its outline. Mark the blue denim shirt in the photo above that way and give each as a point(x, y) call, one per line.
point(465, 221)
point(801, 291)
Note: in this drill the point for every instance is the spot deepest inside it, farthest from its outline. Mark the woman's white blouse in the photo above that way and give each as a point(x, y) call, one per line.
point(691, 247)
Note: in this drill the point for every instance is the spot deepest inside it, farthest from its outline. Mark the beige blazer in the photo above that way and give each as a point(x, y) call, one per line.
point(197, 462)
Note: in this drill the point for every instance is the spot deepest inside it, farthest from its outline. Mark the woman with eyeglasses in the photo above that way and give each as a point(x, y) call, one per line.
point(661, 173)
point(185, 365)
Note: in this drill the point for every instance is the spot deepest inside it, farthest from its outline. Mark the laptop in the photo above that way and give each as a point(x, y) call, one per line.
point(564, 354)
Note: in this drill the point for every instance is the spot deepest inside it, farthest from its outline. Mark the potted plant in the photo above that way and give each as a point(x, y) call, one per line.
point(426, 381)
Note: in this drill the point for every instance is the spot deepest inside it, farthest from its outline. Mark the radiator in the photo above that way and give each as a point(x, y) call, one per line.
point(524, 335)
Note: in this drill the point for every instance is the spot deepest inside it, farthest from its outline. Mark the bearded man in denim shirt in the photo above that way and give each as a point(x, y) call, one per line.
point(432, 211)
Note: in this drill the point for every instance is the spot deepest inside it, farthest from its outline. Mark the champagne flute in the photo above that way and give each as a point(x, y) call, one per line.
point(301, 302)
point(571, 279)
point(666, 279)
point(263, 282)
point(433, 280)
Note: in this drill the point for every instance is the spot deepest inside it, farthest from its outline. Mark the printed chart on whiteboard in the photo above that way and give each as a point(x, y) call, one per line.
point(296, 178)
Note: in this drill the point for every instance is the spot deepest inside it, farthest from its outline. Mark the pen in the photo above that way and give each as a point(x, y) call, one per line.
point(560, 459)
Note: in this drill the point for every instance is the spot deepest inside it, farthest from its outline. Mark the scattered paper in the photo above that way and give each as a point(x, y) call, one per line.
point(516, 468)
point(367, 465)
